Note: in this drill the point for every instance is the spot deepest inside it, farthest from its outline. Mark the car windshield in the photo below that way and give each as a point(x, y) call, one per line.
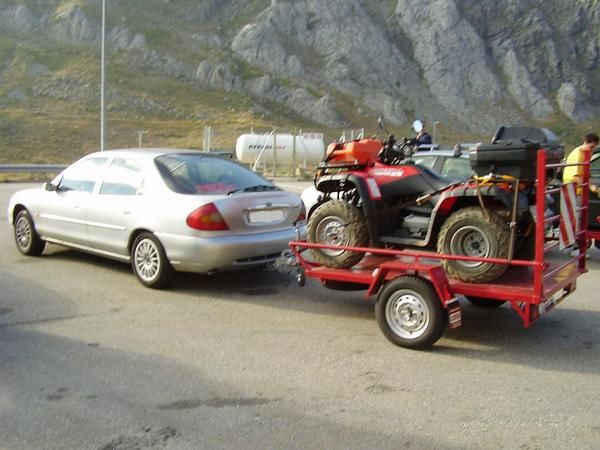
point(187, 173)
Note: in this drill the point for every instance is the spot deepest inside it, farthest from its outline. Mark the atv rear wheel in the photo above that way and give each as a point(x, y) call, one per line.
point(473, 232)
point(338, 223)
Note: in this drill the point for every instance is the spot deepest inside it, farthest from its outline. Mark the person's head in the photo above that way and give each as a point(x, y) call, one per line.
point(591, 140)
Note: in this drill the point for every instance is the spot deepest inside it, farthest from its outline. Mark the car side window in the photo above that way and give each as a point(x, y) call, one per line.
point(82, 175)
point(425, 161)
point(123, 177)
point(458, 168)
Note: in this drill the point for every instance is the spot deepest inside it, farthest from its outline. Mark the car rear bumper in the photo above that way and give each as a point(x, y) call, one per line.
point(226, 253)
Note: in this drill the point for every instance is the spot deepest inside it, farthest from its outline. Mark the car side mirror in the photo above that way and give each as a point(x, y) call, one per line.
point(50, 187)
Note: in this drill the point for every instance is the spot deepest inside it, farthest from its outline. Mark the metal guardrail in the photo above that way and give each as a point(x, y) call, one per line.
point(31, 168)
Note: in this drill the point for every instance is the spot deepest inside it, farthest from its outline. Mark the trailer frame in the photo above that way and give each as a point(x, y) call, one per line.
point(532, 287)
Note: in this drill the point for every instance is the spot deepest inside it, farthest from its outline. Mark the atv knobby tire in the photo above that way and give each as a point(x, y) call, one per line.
point(474, 232)
point(338, 223)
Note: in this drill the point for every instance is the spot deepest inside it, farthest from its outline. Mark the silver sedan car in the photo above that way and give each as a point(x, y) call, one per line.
point(162, 210)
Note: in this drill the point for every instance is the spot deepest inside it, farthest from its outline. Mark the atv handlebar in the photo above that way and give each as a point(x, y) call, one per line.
point(393, 153)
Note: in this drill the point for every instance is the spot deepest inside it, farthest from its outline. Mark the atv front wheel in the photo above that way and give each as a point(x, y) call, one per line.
point(473, 232)
point(337, 223)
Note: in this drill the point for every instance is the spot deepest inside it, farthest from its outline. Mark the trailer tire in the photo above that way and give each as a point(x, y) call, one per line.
point(486, 303)
point(473, 232)
point(337, 222)
point(409, 313)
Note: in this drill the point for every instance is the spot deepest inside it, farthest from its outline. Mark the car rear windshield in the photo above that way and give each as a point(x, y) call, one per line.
point(206, 175)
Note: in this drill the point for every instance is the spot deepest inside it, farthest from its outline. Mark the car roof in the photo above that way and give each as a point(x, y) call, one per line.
point(441, 152)
point(149, 153)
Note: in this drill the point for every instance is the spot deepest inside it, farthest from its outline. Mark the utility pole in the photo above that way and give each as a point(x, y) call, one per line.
point(435, 124)
point(274, 153)
point(140, 134)
point(206, 143)
point(294, 152)
point(103, 79)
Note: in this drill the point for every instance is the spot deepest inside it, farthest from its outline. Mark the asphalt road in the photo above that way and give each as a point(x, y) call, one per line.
point(90, 359)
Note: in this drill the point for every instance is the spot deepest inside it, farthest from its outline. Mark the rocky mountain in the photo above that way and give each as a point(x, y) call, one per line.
point(470, 64)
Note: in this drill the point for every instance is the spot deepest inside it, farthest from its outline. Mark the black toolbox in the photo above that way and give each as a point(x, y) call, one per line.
point(513, 152)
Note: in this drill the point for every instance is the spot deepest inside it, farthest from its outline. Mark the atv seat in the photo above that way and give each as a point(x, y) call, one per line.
point(434, 179)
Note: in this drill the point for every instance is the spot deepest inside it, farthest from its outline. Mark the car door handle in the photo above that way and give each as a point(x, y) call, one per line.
point(126, 213)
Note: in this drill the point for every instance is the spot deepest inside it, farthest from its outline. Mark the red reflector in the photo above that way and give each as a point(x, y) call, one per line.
point(207, 218)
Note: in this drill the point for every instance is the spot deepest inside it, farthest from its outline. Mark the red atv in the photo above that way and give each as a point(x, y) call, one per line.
point(373, 195)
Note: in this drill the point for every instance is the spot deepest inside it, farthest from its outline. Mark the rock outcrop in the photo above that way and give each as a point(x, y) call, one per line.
point(472, 63)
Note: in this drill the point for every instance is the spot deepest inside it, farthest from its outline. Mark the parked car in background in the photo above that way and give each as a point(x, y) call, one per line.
point(162, 210)
point(450, 163)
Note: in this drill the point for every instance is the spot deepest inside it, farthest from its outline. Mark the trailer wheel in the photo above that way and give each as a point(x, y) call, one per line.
point(409, 313)
point(338, 223)
point(487, 303)
point(472, 232)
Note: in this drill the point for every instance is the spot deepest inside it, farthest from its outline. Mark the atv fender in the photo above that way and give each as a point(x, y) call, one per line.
point(460, 197)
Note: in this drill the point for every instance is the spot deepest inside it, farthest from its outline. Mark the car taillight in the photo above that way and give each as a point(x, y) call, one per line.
point(302, 216)
point(207, 218)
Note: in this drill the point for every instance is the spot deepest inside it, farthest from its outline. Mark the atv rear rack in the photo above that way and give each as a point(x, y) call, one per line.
point(532, 287)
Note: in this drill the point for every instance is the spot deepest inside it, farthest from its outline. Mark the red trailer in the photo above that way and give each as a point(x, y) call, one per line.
point(416, 300)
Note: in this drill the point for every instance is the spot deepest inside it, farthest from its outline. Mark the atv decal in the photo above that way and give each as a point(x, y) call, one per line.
point(392, 172)
point(374, 191)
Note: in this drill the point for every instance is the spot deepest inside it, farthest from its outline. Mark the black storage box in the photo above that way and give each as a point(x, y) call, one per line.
point(513, 152)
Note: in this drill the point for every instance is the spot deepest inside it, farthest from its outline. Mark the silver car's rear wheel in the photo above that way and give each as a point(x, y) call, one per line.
point(28, 241)
point(150, 262)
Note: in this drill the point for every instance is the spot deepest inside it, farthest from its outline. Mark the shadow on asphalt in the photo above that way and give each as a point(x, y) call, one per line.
point(59, 392)
point(566, 339)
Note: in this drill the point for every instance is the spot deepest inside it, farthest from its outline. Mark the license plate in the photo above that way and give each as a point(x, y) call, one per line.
point(265, 216)
point(546, 306)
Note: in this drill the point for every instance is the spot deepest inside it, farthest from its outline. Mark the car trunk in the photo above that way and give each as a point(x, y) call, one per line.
point(259, 212)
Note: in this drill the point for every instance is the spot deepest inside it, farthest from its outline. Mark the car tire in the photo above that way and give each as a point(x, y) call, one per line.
point(150, 263)
point(27, 239)
point(472, 231)
point(409, 313)
point(338, 223)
